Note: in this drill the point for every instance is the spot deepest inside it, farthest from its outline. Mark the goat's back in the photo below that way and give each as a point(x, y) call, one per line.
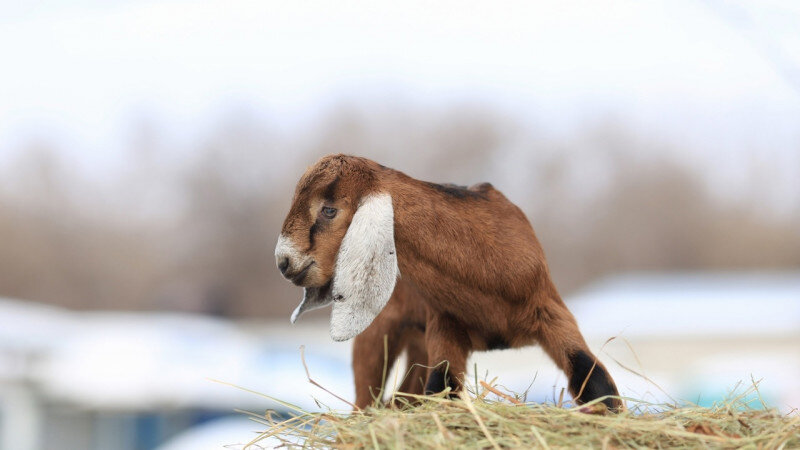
point(455, 240)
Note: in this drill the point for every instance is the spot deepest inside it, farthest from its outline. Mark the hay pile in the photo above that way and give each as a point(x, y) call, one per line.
point(474, 421)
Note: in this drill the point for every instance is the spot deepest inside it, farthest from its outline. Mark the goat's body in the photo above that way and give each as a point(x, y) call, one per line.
point(472, 276)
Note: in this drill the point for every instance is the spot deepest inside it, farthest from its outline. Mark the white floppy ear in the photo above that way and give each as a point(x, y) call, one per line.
point(366, 268)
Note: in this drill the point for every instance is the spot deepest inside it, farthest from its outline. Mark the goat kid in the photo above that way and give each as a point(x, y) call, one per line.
point(440, 270)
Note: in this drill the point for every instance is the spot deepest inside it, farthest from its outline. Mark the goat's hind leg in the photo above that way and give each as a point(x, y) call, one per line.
point(558, 334)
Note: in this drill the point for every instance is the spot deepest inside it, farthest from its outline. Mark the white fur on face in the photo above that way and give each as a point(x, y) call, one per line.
point(287, 249)
point(366, 268)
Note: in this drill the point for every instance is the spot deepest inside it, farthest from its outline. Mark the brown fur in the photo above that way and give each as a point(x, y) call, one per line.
point(473, 277)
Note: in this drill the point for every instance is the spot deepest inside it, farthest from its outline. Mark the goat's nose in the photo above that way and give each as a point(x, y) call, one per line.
point(283, 264)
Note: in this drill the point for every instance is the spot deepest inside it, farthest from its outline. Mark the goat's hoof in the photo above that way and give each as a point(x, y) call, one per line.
point(597, 409)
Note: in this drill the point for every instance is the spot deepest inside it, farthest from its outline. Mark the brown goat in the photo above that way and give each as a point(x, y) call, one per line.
point(440, 270)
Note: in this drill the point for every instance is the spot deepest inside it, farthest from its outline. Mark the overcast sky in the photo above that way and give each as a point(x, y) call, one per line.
point(715, 77)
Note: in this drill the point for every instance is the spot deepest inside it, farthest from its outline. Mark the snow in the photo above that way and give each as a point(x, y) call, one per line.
point(227, 432)
point(147, 361)
point(142, 361)
point(691, 304)
point(29, 326)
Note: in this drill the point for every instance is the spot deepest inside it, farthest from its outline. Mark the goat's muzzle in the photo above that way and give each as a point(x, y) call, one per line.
point(283, 264)
point(298, 277)
point(294, 266)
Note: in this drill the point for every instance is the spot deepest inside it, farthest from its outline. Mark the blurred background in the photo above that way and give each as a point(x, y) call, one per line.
point(149, 151)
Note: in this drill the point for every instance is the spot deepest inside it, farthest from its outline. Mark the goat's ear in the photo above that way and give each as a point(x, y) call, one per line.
point(366, 268)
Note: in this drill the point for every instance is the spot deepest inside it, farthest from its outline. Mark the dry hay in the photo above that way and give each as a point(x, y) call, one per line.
point(475, 421)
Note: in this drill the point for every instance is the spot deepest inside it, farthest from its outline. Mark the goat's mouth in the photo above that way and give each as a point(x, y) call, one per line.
point(313, 298)
point(299, 277)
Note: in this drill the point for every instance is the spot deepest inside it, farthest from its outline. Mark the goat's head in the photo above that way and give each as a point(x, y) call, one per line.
point(338, 243)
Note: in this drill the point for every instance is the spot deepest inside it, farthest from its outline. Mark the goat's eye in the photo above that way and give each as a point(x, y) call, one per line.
point(328, 212)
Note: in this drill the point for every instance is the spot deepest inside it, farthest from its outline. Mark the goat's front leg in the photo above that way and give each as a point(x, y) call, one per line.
point(448, 347)
point(368, 355)
point(417, 368)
